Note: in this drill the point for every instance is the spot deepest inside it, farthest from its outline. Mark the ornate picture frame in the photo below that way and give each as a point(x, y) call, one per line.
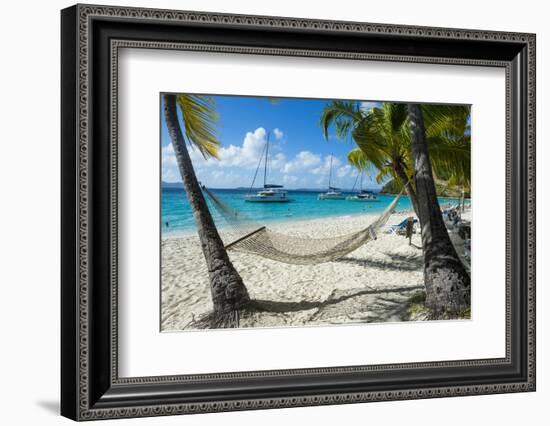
point(91, 38)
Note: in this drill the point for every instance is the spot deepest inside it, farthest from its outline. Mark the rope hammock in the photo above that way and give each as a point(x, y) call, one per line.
point(259, 240)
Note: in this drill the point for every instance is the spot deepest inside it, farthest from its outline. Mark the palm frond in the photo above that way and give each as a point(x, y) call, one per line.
point(439, 118)
point(373, 135)
point(383, 138)
point(398, 115)
point(342, 114)
point(199, 116)
point(451, 158)
point(357, 158)
point(384, 172)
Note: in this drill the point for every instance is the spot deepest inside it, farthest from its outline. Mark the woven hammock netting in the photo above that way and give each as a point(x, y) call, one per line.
point(253, 238)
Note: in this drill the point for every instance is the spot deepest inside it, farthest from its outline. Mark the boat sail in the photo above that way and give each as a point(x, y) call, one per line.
point(363, 194)
point(271, 193)
point(333, 193)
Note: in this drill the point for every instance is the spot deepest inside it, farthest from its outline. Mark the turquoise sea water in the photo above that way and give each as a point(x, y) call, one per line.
point(177, 217)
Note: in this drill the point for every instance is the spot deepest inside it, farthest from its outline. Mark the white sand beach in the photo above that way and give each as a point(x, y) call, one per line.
point(371, 284)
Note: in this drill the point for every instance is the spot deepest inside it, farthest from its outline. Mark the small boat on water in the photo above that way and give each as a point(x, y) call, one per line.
point(363, 194)
point(332, 193)
point(271, 193)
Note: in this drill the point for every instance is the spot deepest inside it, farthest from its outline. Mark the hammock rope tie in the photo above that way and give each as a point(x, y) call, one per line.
point(257, 239)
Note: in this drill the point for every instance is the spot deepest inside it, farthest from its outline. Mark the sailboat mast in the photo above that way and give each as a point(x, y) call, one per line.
point(266, 153)
point(330, 173)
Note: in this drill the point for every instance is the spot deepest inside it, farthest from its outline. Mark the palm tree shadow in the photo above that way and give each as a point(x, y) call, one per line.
point(304, 305)
point(398, 262)
point(387, 309)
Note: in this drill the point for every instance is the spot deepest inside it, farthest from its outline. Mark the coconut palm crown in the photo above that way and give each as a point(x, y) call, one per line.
point(384, 141)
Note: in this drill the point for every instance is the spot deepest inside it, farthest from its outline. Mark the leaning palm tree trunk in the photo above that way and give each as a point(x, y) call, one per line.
point(228, 291)
point(406, 182)
point(446, 279)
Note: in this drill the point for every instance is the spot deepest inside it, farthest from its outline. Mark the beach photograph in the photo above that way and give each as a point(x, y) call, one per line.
point(287, 212)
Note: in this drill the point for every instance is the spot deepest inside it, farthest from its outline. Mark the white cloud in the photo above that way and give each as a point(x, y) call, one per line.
point(290, 179)
point(366, 106)
point(169, 163)
point(276, 161)
point(223, 179)
point(246, 155)
point(322, 181)
point(170, 171)
point(168, 155)
point(237, 163)
point(278, 133)
point(325, 167)
point(344, 171)
point(198, 160)
point(302, 161)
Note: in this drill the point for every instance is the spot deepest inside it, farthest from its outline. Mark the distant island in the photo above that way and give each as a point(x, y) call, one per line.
point(441, 188)
point(391, 187)
point(179, 185)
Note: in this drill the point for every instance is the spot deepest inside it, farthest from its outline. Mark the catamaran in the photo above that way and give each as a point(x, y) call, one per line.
point(271, 193)
point(333, 193)
point(363, 194)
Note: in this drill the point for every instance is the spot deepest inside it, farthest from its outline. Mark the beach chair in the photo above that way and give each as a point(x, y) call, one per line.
point(400, 228)
point(452, 217)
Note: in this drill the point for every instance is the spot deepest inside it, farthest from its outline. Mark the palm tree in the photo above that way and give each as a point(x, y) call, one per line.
point(448, 137)
point(381, 135)
point(445, 277)
point(384, 138)
point(449, 151)
point(229, 294)
point(384, 142)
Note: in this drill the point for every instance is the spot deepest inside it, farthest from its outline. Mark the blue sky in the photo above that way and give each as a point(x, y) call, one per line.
point(299, 154)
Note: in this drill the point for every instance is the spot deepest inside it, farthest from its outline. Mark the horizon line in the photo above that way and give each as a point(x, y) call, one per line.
point(286, 188)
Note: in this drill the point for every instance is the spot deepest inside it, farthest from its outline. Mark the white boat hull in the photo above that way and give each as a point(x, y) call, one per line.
point(363, 200)
point(331, 197)
point(260, 199)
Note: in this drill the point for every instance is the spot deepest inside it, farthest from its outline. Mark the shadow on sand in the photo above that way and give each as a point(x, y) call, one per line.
point(333, 299)
point(398, 262)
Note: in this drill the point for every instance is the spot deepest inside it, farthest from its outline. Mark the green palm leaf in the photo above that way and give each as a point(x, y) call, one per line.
point(343, 115)
point(383, 138)
point(199, 117)
point(451, 159)
point(443, 118)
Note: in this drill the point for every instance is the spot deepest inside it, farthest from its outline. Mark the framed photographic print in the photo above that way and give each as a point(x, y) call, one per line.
point(263, 212)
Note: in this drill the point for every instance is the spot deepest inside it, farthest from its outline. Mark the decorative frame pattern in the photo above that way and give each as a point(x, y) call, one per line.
point(110, 396)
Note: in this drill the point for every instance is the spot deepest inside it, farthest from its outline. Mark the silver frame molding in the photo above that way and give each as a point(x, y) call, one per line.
point(91, 389)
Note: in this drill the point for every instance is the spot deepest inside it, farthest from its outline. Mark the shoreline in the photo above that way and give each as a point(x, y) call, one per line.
point(292, 221)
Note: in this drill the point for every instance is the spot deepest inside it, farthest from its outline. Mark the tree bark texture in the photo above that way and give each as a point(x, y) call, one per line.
point(229, 293)
point(446, 279)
